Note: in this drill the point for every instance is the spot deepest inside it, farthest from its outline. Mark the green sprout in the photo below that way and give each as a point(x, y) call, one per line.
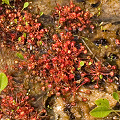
point(26, 4)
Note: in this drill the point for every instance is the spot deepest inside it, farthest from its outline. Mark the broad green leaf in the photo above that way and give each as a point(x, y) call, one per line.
point(3, 81)
point(82, 63)
point(102, 102)
point(41, 13)
point(6, 2)
point(25, 5)
point(100, 111)
point(20, 56)
point(115, 96)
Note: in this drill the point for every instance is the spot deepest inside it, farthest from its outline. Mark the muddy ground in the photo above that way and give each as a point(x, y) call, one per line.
point(106, 17)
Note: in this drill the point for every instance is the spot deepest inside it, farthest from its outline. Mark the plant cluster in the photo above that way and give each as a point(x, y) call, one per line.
point(72, 18)
point(19, 27)
point(62, 64)
point(15, 104)
point(63, 59)
point(18, 108)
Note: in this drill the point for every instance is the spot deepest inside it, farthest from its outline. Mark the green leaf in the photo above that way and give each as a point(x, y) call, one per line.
point(106, 46)
point(101, 76)
point(25, 5)
point(79, 68)
point(15, 20)
point(24, 34)
point(19, 39)
point(3, 81)
point(23, 18)
point(26, 23)
point(40, 42)
point(102, 102)
point(20, 56)
point(6, 2)
point(100, 111)
point(82, 63)
point(41, 13)
point(115, 96)
point(90, 63)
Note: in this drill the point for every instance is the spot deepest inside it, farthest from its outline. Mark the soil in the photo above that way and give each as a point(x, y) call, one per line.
point(106, 18)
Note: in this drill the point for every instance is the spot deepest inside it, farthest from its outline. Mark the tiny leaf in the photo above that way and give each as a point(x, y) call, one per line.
point(82, 63)
point(20, 56)
point(25, 5)
point(24, 34)
point(79, 68)
point(115, 96)
point(41, 13)
point(26, 23)
point(6, 2)
point(23, 18)
point(90, 63)
point(100, 111)
point(101, 76)
point(19, 39)
point(102, 102)
point(3, 81)
point(15, 20)
point(40, 42)
point(106, 46)
point(2, 2)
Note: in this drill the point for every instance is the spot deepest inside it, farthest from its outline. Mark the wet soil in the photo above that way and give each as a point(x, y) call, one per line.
point(101, 46)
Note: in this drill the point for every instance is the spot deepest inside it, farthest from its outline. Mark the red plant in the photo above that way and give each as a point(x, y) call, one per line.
point(55, 63)
point(72, 18)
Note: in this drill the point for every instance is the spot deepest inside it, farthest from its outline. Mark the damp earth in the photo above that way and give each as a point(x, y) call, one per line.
point(59, 57)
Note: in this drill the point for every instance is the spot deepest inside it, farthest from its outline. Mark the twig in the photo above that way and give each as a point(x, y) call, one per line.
point(89, 49)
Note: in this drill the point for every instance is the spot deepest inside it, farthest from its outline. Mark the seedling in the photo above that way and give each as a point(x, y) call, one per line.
point(3, 81)
point(103, 108)
point(26, 4)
